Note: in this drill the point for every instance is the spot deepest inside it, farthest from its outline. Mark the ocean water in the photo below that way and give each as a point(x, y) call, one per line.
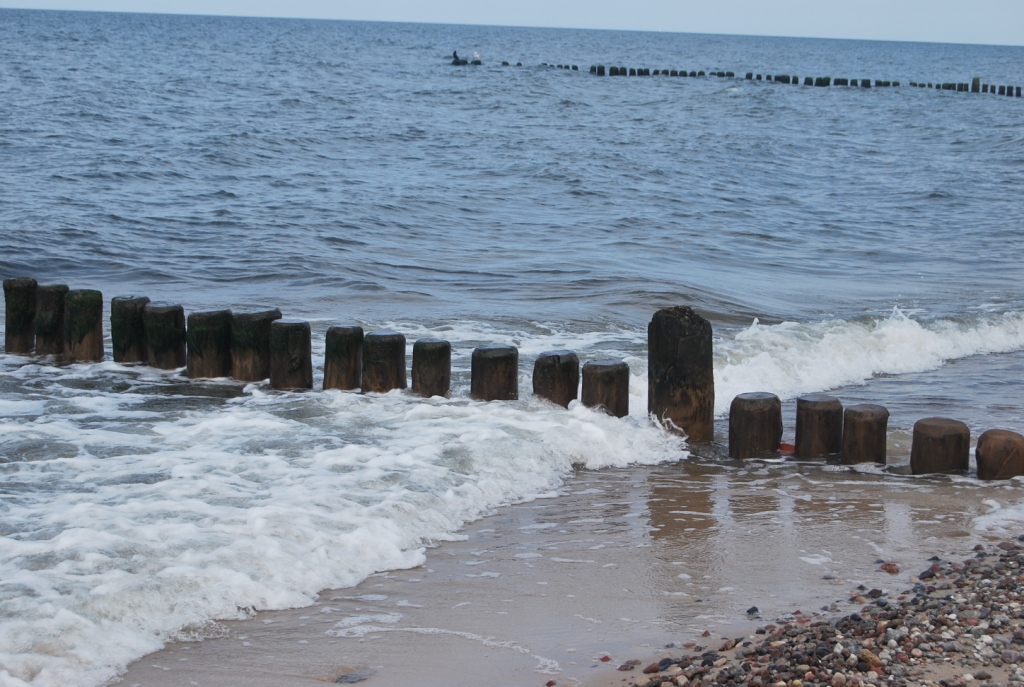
point(864, 241)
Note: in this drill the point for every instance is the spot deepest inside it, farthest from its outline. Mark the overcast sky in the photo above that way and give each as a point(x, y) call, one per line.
point(998, 22)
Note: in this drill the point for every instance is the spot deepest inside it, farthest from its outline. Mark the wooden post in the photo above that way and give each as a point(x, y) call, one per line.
point(165, 335)
point(20, 304)
point(680, 375)
point(127, 329)
point(250, 344)
point(819, 426)
point(976, 85)
point(431, 367)
point(383, 362)
point(864, 433)
point(940, 445)
point(495, 373)
point(606, 386)
point(208, 342)
point(343, 358)
point(83, 326)
point(1000, 454)
point(291, 355)
point(49, 319)
point(755, 425)
point(556, 377)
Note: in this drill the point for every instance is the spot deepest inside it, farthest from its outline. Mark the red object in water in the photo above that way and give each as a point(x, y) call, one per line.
point(706, 634)
point(787, 449)
point(550, 683)
point(605, 659)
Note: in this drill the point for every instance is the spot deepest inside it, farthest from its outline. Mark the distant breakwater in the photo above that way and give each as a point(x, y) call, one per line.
point(974, 86)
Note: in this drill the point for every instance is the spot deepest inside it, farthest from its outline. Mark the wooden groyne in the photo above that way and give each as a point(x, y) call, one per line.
point(257, 346)
point(974, 86)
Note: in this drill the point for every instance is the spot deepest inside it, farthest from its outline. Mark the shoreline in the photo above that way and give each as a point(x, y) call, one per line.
point(621, 562)
point(959, 623)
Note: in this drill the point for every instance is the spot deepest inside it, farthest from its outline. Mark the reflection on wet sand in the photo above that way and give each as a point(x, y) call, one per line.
point(620, 563)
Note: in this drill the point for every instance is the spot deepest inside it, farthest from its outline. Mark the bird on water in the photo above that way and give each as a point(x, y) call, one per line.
point(455, 54)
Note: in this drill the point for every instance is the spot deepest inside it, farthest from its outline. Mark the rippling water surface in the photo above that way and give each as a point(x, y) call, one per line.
point(866, 241)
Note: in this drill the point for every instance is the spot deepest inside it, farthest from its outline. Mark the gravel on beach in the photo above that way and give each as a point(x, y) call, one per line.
point(959, 623)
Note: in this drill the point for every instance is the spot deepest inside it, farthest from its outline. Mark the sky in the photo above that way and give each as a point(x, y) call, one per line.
point(998, 22)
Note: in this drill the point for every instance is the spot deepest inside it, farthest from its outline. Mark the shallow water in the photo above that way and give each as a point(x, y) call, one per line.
point(864, 241)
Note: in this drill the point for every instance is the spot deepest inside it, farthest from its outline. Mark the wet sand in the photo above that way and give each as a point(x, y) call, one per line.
point(621, 563)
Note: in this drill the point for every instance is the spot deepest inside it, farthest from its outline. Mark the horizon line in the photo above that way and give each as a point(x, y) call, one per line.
point(506, 26)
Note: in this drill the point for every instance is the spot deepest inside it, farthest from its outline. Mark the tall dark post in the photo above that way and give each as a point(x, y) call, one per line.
point(864, 433)
point(20, 302)
point(208, 339)
point(495, 373)
point(1000, 454)
point(128, 329)
point(291, 355)
point(431, 367)
point(755, 425)
point(680, 375)
point(940, 445)
point(250, 344)
point(83, 326)
point(383, 362)
point(165, 335)
point(49, 319)
point(606, 385)
point(556, 377)
point(343, 358)
point(819, 426)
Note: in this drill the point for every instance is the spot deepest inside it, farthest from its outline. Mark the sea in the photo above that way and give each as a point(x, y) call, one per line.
point(861, 241)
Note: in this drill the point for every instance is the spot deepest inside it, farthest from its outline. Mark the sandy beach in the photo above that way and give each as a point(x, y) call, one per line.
point(623, 563)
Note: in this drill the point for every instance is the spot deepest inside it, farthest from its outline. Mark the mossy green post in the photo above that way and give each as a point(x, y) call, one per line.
point(291, 356)
point(383, 362)
point(250, 344)
point(20, 304)
point(208, 344)
point(83, 326)
point(165, 335)
point(127, 329)
point(343, 358)
point(49, 319)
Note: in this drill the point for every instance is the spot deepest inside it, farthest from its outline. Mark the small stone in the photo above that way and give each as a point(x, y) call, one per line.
point(653, 668)
point(838, 680)
point(753, 610)
point(605, 659)
point(550, 683)
point(968, 677)
point(983, 675)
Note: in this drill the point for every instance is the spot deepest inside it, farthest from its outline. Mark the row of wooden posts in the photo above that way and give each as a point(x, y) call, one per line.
point(254, 346)
point(976, 86)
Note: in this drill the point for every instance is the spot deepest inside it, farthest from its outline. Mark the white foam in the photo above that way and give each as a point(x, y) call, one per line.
point(791, 358)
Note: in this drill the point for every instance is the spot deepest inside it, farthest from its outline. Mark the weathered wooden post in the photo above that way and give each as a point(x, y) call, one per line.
point(495, 373)
point(431, 367)
point(606, 386)
point(250, 344)
point(976, 85)
point(49, 319)
point(939, 445)
point(291, 355)
point(1000, 454)
point(20, 312)
point(819, 426)
point(680, 375)
point(865, 83)
point(128, 329)
point(343, 358)
point(556, 377)
point(383, 362)
point(808, 81)
point(864, 434)
point(208, 344)
point(755, 425)
point(83, 326)
point(165, 335)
